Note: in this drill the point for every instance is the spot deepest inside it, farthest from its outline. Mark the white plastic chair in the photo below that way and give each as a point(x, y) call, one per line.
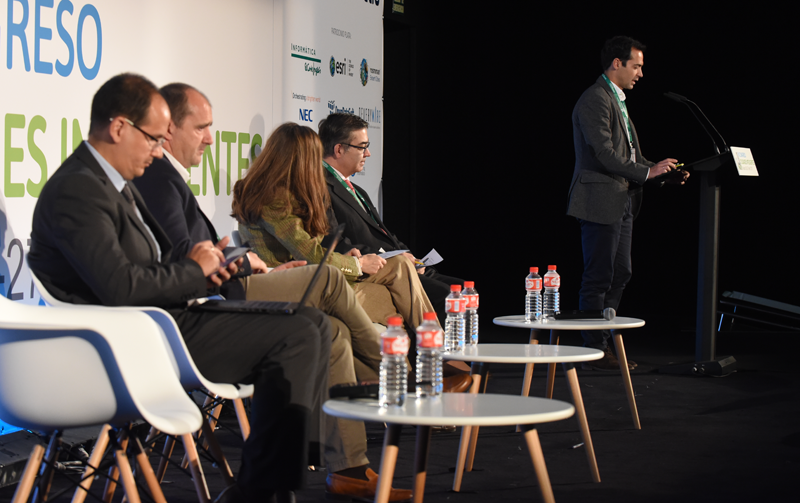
point(190, 378)
point(108, 349)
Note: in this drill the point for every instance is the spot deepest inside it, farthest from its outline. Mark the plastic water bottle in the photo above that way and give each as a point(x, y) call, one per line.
point(533, 296)
point(454, 324)
point(471, 316)
point(394, 369)
point(430, 343)
point(551, 283)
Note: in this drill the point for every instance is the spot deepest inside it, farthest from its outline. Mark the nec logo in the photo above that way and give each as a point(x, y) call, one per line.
point(373, 2)
point(305, 114)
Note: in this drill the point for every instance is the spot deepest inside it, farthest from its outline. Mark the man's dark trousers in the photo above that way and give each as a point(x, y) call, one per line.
point(606, 269)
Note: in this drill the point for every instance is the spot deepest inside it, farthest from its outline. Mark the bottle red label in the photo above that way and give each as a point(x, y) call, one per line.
point(455, 305)
point(430, 338)
point(394, 345)
point(533, 284)
point(472, 301)
point(552, 282)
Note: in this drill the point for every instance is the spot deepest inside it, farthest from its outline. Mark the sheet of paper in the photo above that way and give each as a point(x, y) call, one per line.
point(432, 258)
point(745, 163)
point(388, 255)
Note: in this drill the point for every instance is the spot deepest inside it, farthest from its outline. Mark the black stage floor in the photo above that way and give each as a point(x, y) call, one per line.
point(727, 439)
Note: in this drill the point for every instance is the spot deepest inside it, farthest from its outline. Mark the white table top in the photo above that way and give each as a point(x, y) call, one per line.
point(524, 353)
point(459, 409)
point(518, 321)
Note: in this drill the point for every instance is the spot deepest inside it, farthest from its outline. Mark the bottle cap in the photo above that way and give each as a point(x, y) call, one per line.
point(455, 288)
point(395, 321)
point(469, 284)
point(551, 268)
point(429, 316)
point(535, 269)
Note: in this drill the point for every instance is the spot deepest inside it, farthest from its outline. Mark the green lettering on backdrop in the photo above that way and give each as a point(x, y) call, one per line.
point(228, 137)
point(37, 124)
point(208, 160)
point(16, 154)
point(244, 139)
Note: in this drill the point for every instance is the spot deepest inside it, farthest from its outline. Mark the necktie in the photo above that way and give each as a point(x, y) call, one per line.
point(128, 195)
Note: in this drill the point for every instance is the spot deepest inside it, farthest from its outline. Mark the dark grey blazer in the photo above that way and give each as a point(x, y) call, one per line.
point(604, 174)
point(88, 246)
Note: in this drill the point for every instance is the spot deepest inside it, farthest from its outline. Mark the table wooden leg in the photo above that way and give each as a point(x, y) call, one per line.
point(481, 373)
point(626, 377)
point(421, 462)
point(535, 449)
point(580, 412)
point(526, 382)
point(551, 367)
point(388, 463)
point(466, 431)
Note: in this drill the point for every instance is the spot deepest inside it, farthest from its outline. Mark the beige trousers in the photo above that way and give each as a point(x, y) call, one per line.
point(355, 347)
point(394, 289)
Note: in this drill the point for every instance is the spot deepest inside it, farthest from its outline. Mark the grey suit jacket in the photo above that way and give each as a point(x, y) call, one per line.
point(88, 246)
point(604, 174)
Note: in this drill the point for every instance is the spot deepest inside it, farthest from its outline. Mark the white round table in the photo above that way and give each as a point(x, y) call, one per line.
point(555, 326)
point(460, 409)
point(483, 354)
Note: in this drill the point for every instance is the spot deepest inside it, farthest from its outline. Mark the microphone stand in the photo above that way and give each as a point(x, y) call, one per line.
point(708, 256)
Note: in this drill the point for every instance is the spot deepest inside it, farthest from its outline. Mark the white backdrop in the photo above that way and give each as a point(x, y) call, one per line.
point(260, 62)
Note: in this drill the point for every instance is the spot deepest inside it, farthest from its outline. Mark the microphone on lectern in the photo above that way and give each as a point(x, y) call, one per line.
point(588, 314)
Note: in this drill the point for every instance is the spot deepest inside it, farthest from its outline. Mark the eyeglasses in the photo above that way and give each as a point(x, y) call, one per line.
point(362, 148)
point(155, 142)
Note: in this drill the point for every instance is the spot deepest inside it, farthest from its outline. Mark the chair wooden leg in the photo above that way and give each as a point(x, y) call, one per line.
point(388, 463)
point(219, 456)
point(421, 462)
point(166, 452)
point(147, 471)
point(98, 451)
point(47, 471)
point(626, 378)
point(580, 413)
point(113, 472)
point(196, 468)
point(535, 449)
point(551, 367)
point(126, 475)
point(241, 416)
point(29, 475)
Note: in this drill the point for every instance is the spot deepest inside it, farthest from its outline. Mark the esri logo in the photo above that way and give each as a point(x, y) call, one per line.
point(364, 72)
point(340, 67)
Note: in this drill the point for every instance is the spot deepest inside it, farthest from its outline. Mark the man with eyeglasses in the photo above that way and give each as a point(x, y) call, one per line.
point(345, 144)
point(94, 241)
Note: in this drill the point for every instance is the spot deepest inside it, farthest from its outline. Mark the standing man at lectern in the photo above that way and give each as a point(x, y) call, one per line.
point(606, 189)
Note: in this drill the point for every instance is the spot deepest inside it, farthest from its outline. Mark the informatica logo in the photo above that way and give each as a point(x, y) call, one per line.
point(311, 63)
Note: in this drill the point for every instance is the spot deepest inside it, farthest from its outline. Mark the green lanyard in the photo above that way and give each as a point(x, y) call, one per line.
point(344, 184)
point(624, 108)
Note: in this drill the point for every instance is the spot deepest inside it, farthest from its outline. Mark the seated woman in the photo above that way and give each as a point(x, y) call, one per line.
point(281, 209)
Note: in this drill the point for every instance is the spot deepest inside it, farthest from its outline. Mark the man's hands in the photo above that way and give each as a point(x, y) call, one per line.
point(370, 264)
point(662, 167)
point(354, 252)
point(209, 257)
point(677, 177)
point(413, 260)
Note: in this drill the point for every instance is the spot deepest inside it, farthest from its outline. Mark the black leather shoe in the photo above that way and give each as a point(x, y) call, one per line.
point(231, 494)
point(284, 497)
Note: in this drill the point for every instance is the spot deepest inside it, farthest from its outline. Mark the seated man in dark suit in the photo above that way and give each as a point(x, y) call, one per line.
point(355, 346)
point(95, 242)
point(345, 143)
